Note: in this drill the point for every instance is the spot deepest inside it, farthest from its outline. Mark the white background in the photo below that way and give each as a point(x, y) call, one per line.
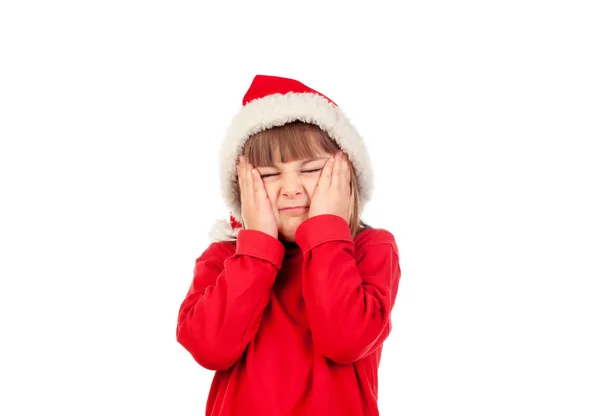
point(482, 119)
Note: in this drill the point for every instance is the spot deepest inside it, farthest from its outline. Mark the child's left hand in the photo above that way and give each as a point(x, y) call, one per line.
point(332, 194)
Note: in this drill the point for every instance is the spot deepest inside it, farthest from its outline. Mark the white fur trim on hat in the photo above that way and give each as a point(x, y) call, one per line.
point(277, 110)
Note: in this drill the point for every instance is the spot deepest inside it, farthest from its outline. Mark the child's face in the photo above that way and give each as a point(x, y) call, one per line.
point(290, 188)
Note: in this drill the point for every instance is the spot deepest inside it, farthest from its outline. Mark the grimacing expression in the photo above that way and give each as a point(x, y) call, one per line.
point(290, 187)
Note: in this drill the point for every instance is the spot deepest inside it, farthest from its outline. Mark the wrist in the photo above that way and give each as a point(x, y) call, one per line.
point(263, 230)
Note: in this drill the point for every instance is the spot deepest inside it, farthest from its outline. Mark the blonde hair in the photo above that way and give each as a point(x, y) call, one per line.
point(299, 140)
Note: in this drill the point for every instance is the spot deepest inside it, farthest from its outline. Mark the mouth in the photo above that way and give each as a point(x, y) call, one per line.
point(294, 209)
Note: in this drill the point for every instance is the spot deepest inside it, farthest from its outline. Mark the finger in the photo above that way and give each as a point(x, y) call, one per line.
point(245, 186)
point(242, 175)
point(259, 189)
point(249, 180)
point(337, 170)
point(325, 178)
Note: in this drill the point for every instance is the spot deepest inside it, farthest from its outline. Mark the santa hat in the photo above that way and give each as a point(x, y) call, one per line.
point(274, 101)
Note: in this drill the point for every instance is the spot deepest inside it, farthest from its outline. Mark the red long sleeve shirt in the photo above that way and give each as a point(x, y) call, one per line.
point(294, 330)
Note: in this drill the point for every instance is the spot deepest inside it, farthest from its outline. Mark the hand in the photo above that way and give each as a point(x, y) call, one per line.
point(332, 194)
point(257, 213)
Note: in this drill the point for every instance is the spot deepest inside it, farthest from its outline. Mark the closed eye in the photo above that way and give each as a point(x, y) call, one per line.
point(268, 175)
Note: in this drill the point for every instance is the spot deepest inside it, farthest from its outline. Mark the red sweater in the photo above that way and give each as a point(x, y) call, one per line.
point(294, 330)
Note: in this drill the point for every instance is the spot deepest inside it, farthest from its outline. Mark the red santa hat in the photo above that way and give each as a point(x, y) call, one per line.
point(274, 101)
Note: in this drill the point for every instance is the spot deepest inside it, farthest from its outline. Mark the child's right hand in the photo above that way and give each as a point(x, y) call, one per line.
point(257, 213)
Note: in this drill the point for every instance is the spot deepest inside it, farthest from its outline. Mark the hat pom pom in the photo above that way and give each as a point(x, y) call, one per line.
point(224, 230)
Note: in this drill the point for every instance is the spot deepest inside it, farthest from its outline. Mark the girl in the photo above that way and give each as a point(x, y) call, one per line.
point(291, 303)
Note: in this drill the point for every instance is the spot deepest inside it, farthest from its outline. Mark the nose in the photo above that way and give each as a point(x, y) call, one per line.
point(291, 185)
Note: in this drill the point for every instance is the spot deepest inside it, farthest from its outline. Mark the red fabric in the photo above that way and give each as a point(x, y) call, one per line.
point(234, 223)
point(296, 329)
point(264, 85)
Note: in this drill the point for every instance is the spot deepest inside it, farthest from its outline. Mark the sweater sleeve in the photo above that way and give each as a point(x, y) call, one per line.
point(223, 308)
point(349, 292)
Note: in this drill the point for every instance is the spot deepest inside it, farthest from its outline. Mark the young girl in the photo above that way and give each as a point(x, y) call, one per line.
point(291, 303)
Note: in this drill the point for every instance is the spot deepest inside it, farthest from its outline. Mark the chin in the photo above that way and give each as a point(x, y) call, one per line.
point(288, 230)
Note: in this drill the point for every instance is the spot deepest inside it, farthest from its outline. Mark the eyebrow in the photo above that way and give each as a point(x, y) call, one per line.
point(306, 162)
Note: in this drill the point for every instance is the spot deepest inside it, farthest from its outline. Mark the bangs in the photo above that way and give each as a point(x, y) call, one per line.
point(287, 143)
